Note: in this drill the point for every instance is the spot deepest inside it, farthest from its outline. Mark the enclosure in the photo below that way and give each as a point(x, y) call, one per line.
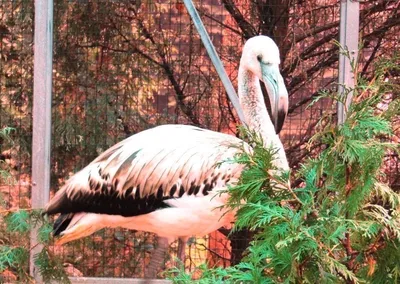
point(120, 67)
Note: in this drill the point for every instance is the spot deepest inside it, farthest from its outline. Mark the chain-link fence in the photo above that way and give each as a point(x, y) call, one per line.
point(16, 89)
point(124, 66)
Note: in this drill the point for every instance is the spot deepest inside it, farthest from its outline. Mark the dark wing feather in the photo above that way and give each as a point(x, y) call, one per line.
point(61, 223)
point(137, 175)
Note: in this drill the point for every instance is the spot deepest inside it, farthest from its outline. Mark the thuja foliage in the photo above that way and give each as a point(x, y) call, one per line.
point(15, 247)
point(5, 176)
point(342, 224)
point(15, 228)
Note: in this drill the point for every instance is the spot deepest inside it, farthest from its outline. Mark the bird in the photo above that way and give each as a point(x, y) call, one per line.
point(170, 179)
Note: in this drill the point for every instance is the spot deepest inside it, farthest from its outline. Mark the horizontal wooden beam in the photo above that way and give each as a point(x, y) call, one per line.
point(100, 280)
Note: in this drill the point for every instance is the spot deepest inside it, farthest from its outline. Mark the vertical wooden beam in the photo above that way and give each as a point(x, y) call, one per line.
point(349, 30)
point(42, 89)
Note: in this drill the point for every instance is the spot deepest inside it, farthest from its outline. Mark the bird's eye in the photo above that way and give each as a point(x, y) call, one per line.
point(260, 59)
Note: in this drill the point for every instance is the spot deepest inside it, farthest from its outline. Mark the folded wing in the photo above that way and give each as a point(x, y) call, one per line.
point(137, 175)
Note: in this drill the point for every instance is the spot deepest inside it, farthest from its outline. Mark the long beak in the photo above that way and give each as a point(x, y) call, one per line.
point(277, 94)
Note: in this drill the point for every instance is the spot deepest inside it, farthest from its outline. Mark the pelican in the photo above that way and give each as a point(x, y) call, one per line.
point(165, 180)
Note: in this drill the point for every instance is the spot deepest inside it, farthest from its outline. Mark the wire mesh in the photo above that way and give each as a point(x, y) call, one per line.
point(380, 33)
point(124, 66)
point(16, 84)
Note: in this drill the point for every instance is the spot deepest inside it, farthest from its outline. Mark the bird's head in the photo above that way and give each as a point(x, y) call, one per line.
point(261, 57)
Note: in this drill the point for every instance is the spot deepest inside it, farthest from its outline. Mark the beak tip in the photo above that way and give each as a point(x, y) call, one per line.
point(280, 121)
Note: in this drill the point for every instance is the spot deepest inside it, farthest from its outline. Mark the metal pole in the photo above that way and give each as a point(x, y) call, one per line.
point(349, 27)
point(214, 57)
point(41, 137)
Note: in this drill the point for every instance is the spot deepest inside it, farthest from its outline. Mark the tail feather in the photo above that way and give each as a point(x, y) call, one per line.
point(73, 226)
point(62, 223)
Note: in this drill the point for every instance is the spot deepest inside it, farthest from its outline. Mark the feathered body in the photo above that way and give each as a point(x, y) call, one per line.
point(168, 180)
point(163, 180)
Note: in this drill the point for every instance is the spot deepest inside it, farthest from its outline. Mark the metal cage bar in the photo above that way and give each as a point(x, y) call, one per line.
point(349, 29)
point(41, 136)
point(219, 67)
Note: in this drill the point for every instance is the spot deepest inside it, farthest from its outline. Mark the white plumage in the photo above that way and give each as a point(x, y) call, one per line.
point(166, 180)
point(162, 176)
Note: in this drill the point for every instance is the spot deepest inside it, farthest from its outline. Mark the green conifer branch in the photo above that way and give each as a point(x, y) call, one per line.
point(342, 225)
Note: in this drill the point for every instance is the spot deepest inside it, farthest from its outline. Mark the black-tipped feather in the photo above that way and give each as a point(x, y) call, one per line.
point(112, 204)
point(122, 182)
point(61, 223)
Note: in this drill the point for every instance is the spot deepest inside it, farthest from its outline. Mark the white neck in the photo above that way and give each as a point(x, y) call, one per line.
point(255, 112)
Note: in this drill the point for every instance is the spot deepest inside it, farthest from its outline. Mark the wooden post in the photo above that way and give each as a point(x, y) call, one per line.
point(349, 29)
point(42, 89)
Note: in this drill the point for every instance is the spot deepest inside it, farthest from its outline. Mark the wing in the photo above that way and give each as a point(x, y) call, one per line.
point(137, 175)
